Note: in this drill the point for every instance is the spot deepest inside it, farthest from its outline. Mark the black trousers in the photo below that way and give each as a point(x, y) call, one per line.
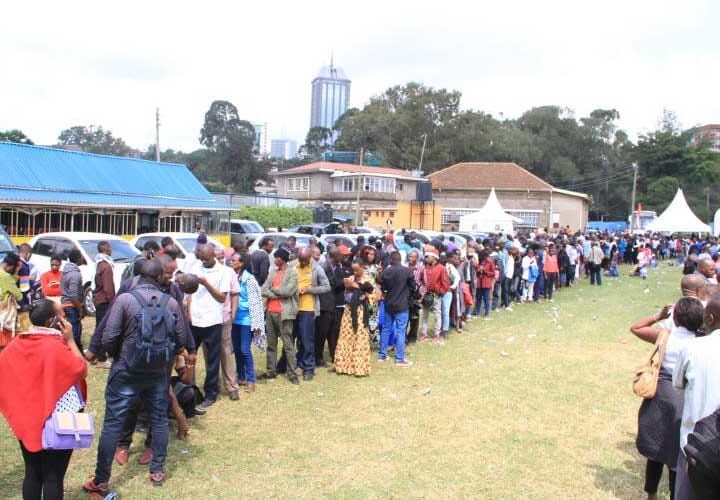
point(414, 323)
point(653, 474)
point(44, 473)
point(324, 329)
point(100, 312)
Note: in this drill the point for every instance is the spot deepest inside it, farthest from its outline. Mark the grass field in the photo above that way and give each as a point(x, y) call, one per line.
point(536, 403)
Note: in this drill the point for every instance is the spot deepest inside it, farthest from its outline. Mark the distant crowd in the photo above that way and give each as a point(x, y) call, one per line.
point(305, 307)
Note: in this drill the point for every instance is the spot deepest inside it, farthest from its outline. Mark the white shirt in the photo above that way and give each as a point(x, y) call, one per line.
point(698, 372)
point(677, 341)
point(509, 266)
point(204, 309)
point(234, 290)
point(527, 261)
point(572, 254)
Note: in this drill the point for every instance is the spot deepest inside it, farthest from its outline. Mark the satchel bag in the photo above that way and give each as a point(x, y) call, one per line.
point(8, 314)
point(68, 430)
point(646, 375)
point(428, 299)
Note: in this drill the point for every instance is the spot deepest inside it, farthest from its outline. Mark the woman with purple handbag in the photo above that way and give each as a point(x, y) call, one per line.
point(42, 382)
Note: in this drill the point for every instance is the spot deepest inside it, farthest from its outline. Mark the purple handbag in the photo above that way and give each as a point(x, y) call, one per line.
point(68, 431)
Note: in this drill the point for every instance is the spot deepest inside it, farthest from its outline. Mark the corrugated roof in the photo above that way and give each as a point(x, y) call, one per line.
point(36, 174)
point(486, 175)
point(348, 167)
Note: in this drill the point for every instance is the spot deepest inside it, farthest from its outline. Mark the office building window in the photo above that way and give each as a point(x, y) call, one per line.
point(298, 184)
point(369, 185)
point(529, 218)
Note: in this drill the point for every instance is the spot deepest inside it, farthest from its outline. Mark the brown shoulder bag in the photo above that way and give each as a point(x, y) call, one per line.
point(647, 374)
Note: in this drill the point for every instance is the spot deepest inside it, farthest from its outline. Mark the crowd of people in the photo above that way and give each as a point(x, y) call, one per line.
point(306, 308)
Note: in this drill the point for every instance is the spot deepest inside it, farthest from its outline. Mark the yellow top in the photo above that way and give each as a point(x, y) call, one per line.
point(306, 301)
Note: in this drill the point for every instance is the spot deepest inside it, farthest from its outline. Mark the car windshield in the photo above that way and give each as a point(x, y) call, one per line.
point(121, 249)
point(251, 227)
point(189, 244)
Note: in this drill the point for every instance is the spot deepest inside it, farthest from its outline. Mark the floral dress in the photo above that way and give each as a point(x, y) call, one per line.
point(352, 355)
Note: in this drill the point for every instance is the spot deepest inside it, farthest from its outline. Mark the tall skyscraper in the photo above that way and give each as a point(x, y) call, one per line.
point(283, 148)
point(330, 96)
point(260, 146)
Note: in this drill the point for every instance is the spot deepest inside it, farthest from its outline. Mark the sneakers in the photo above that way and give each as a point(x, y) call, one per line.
point(381, 360)
point(404, 363)
point(157, 478)
point(307, 377)
point(207, 403)
point(509, 309)
point(233, 395)
point(487, 318)
point(121, 455)
point(294, 381)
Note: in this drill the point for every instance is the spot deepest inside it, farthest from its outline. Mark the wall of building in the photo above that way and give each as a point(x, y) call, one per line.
point(405, 214)
point(572, 210)
point(509, 200)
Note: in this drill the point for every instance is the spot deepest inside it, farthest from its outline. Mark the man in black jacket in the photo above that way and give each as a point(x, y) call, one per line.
point(260, 260)
point(124, 385)
point(399, 288)
point(332, 303)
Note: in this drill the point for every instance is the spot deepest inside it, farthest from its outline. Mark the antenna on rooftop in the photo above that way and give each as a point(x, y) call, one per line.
point(157, 134)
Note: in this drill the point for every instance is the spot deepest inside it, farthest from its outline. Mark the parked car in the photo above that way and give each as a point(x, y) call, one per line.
point(186, 242)
point(243, 232)
point(349, 240)
point(303, 240)
point(317, 229)
point(6, 244)
point(47, 245)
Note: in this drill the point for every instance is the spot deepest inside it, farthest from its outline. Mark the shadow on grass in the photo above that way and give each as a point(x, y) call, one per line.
point(624, 481)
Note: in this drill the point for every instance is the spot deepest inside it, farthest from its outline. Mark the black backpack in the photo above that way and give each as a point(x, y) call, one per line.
point(703, 456)
point(154, 348)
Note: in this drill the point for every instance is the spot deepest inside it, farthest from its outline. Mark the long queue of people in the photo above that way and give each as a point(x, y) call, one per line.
point(305, 307)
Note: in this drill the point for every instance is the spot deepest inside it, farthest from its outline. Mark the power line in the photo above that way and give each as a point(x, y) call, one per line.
point(591, 176)
point(602, 180)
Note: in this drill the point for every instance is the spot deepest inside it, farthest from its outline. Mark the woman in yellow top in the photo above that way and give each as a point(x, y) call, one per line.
point(10, 294)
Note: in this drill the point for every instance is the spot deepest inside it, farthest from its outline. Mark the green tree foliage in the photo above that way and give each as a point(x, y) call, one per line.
point(276, 217)
point(317, 142)
point(93, 139)
point(230, 140)
point(15, 135)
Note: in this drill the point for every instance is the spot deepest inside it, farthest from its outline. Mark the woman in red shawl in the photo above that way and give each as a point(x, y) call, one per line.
point(41, 370)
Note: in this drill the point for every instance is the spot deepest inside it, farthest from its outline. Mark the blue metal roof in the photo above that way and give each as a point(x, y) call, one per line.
point(37, 175)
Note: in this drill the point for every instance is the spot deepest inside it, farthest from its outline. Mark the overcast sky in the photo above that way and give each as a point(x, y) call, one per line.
point(113, 63)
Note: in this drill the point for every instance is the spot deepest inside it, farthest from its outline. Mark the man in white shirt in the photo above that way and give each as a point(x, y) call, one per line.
point(697, 372)
point(206, 316)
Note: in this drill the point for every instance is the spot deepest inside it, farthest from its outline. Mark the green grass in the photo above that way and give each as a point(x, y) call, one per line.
point(555, 418)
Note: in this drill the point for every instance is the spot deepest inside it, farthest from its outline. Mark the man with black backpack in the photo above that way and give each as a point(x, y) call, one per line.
point(697, 372)
point(143, 334)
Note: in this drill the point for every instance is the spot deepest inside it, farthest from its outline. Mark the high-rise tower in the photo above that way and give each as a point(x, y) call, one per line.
point(330, 96)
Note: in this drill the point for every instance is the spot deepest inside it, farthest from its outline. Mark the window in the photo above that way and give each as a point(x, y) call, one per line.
point(63, 247)
point(529, 218)
point(44, 247)
point(369, 185)
point(399, 186)
point(298, 184)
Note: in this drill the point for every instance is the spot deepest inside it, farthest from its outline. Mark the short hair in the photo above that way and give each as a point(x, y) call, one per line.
point(11, 259)
point(265, 240)
point(151, 245)
point(244, 258)
point(102, 244)
point(24, 247)
point(171, 250)
point(190, 283)
point(395, 257)
point(57, 258)
point(74, 256)
point(41, 311)
point(688, 313)
point(151, 269)
point(167, 240)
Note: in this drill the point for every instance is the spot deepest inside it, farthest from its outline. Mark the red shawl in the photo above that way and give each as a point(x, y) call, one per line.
point(35, 371)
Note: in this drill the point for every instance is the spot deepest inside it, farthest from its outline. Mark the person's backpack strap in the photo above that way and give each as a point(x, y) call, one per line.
point(139, 297)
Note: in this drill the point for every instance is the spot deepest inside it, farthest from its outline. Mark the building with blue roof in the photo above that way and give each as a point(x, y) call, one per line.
point(46, 189)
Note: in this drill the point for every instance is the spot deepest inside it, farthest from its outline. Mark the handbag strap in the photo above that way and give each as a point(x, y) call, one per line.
point(660, 346)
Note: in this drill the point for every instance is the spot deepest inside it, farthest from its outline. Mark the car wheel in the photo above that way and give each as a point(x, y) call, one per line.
point(88, 302)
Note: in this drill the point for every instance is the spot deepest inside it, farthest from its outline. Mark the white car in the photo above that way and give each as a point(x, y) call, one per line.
point(302, 240)
point(186, 242)
point(349, 240)
point(47, 245)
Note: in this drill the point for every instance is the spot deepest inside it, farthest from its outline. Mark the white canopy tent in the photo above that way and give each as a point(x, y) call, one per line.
point(491, 218)
point(678, 217)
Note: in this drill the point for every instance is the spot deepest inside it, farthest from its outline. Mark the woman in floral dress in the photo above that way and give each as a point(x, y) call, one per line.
point(352, 355)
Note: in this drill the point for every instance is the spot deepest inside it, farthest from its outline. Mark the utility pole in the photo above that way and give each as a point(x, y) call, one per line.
point(632, 203)
point(358, 187)
point(422, 151)
point(157, 134)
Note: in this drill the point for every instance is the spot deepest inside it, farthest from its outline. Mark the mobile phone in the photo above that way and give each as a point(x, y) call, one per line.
point(56, 323)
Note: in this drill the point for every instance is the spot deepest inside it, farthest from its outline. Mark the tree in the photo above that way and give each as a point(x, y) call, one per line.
point(15, 135)
point(93, 139)
point(318, 141)
point(230, 140)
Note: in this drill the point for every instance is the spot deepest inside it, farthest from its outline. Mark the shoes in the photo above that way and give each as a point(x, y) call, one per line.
point(95, 488)
point(208, 403)
point(509, 309)
point(157, 478)
point(321, 364)
point(146, 457)
point(307, 377)
point(242, 382)
point(233, 395)
point(438, 341)
point(381, 360)
point(121, 455)
point(250, 387)
point(423, 339)
point(268, 376)
point(199, 410)
point(404, 363)
point(294, 381)
point(487, 318)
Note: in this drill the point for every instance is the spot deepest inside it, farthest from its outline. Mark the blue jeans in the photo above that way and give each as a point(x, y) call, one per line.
point(305, 322)
point(241, 342)
point(397, 322)
point(72, 315)
point(212, 337)
point(482, 295)
point(446, 304)
point(121, 390)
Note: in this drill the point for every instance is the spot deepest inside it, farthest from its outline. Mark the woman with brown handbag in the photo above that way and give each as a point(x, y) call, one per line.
point(658, 438)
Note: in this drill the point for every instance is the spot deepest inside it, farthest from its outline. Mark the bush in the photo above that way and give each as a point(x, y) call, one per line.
point(275, 216)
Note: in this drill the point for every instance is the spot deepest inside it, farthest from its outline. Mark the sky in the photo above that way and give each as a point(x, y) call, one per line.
point(113, 63)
